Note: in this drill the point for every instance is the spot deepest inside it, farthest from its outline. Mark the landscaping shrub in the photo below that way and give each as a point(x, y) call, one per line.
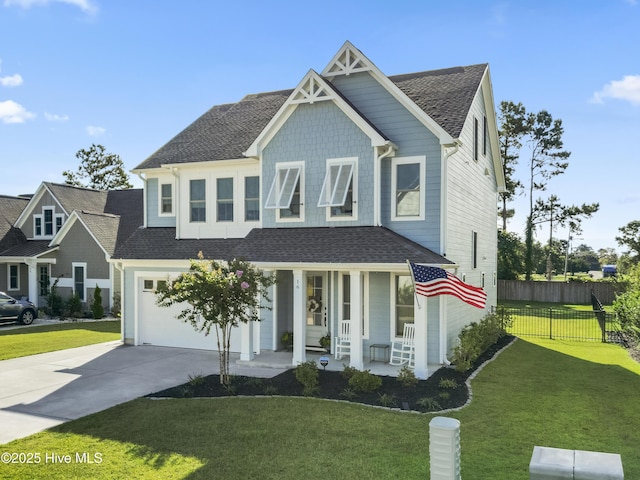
point(429, 404)
point(448, 383)
point(348, 372)
point(475, 338)
point(387, 400)
point(74, 306)
point(55, 304)
point(627, 308)
point(96, 307)
point(307, 375)
point(365, 381)
point(116, 307)
point(407, 377)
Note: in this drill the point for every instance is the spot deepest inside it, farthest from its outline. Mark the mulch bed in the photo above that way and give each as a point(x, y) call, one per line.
point(426, 396)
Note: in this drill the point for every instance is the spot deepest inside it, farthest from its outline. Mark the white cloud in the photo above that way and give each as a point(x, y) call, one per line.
point(627, 89)
point(93, 131)
point(11, 80)
point(52, 117)
point(12, 112)
point(86, 6)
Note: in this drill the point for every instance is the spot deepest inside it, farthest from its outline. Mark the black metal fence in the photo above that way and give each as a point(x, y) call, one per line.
point(584, 326)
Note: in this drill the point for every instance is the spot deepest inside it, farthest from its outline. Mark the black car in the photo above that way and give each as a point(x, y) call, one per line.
point(12, 310)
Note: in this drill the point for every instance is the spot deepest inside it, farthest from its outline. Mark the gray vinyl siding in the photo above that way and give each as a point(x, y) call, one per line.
point(152, 196)
point(79, 246)
point(313, 134)
point(46, 201)
point(412, 139)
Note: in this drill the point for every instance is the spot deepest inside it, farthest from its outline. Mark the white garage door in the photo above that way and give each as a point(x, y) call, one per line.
point(159, 325)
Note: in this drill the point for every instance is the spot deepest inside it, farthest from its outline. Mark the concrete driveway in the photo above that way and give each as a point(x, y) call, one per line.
point(40, 391)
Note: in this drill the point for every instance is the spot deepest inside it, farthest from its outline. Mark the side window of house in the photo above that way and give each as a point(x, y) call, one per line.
point(286, 192)
point(79, 281)
point(166, 199)
point(485, 134)
point(338, 188)
point(474, 249)
point(224, 200)
point(14, 277)
point(251, 198)
point(197, 200)
point(44, 280)
point(408, 190)
point(403, 303)
point(475, 139)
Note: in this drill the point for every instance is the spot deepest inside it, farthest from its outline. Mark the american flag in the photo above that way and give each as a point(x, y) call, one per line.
point(432, 281)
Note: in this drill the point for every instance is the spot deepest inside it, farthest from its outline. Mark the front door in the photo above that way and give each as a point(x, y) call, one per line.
point(316, 309)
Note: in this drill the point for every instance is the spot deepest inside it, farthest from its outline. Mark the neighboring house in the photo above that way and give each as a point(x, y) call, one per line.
point(10, 210)
point(68, 234)
point(332, 186)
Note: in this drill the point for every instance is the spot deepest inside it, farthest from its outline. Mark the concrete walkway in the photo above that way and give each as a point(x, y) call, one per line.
point(40, 391)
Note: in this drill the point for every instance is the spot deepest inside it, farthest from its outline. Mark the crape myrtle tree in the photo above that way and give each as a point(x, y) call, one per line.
point(220, 296)
point(98, 170)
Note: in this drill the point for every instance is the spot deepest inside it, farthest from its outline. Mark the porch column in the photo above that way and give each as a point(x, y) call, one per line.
point(299, 317)
point(246, 341)
point(33, 281)
point(420, 321)
point(355, 359)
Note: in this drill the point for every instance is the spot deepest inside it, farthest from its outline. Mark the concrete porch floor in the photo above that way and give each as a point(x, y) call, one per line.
point(284, 360)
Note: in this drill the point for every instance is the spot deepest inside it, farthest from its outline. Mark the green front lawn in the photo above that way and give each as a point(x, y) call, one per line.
point(540, 392)
point(20, 342)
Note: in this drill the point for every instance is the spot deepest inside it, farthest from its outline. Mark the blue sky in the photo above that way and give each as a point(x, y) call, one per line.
point(131, 74)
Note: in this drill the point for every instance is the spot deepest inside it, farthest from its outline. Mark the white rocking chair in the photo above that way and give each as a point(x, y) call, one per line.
point(403, 352)
point(343, 339)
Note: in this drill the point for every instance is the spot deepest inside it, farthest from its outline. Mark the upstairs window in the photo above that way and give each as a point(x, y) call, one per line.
point(286, 192)
point(47, 223)
point(337, 188)
point(224, 200)
point(485, 134)
point(197, 201)
point(251, 198)
point(408, 188)
point(475, 139)
point(166, 199)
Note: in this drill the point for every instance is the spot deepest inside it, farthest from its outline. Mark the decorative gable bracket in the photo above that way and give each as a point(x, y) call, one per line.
point(348, 60)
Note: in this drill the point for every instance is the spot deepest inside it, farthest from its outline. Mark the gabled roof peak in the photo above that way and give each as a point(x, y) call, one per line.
point(348, 60)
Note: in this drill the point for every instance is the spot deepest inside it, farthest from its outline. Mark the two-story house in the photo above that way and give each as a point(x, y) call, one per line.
point(332, 186)
point(67, 235)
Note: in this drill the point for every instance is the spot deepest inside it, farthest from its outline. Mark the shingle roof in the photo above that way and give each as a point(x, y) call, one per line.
point(30, 248)
point(77, 198)
point(104, 228)
point(160, 243)
point(226, 131)
point(344, 245)
point(10, 210)
point(445, 95)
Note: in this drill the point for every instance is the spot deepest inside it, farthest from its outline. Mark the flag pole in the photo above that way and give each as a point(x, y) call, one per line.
point(413, 281)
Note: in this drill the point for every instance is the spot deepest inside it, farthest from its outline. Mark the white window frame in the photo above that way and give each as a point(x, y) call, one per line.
point(225, 200)
point(244, 198)
point(365, 301)
point(280, 198)
point(54, 223)
point(84, 280)
point(189, 203)
point(160, 198)
point(331, 197)
point(17, 287)
point(46, 289)
point(393, 316)
point(395, 162)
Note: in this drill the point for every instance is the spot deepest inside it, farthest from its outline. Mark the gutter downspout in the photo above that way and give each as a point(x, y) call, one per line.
point(377, 194)
point(176, 201)
point(443, 239)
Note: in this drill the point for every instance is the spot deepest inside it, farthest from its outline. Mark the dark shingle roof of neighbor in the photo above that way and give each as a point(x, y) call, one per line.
point(344, 245)
point(30, 248)
point(10, 210)
point(226, 131)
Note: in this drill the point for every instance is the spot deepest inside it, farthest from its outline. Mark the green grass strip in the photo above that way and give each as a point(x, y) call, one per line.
point(20, 342)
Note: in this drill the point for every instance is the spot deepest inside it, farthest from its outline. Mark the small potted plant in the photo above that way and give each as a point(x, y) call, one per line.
point(325, 342)
point(287, 340)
